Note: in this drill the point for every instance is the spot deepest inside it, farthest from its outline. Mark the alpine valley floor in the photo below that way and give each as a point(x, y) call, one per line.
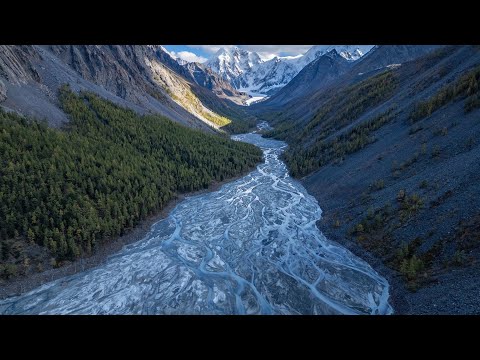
point(251, 247)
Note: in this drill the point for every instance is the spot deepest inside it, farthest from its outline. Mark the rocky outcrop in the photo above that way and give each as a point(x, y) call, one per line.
point(16, 63)
point(118, 68)
point(207, 78)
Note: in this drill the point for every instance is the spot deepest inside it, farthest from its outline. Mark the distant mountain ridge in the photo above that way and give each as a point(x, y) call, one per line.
point(247, 72)
point(313, 76)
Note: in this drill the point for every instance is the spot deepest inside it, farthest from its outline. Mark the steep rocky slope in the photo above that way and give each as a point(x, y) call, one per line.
point(383, 55)
point(314, 76)
point(132, 76)
point(208, 79)
point(391, 153)
point(202, 76)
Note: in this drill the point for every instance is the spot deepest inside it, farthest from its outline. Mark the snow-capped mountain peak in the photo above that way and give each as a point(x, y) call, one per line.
point(348, 52)
point(246, 71)
point(230, 63)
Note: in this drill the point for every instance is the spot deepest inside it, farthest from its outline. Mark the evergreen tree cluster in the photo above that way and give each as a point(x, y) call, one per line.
point(71, 189)
point(467, 86)
point(315, 146)
point(302, 161)
point(340, 109)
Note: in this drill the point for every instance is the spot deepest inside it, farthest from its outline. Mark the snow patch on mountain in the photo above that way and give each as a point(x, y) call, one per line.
point(254, 99)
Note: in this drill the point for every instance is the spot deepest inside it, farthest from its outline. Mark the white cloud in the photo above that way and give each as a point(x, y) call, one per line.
point(188, 56)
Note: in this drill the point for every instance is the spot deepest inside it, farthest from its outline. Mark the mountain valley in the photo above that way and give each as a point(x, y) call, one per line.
point(360, 195)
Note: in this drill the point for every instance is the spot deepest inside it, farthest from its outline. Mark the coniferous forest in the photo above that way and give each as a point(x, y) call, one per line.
point(70, 189)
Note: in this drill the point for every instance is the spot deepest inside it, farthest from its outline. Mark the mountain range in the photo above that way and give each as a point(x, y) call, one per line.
point(144, 78)
point(384, 137)
point(247, 72)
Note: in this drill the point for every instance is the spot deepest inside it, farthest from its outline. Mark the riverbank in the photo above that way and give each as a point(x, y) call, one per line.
point(453, 292)
point(29, 282)
point(397, 292)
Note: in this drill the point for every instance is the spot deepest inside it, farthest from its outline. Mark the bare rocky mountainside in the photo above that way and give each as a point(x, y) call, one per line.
point(390, 149)
point(144, 78)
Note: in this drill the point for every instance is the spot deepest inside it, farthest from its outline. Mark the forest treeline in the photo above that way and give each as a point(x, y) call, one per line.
point(69, 190)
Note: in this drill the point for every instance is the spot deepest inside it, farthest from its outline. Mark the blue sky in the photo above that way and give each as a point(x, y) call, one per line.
point(201, 53)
